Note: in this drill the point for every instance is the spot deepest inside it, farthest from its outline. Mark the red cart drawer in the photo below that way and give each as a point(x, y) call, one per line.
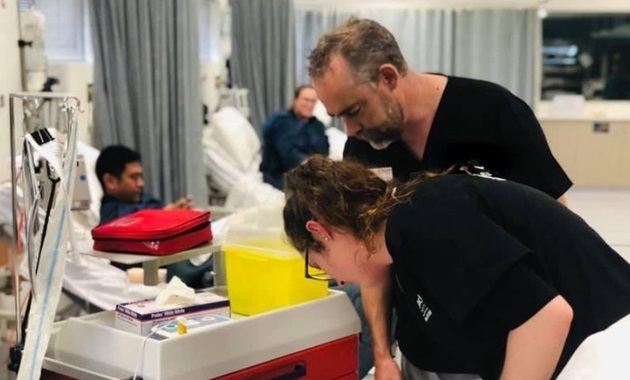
point(336, 360)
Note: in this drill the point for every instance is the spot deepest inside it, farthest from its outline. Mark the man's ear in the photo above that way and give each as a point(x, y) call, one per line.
point(389, 75)
point(110, 181)
point(318, 230)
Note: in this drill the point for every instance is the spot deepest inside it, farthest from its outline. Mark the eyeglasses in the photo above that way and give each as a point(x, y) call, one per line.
point(314, 273)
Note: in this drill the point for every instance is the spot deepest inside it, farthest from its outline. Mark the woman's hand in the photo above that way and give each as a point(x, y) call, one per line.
point(386, 369)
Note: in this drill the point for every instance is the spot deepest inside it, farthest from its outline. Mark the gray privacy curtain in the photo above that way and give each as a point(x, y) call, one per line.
point(146, 89)
point(425, 37)
point(499, 46)
point(495, 45)
point(263, 54)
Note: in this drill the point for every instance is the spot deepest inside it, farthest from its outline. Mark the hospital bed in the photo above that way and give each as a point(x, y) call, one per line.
point(232, 155)
point(90, 279)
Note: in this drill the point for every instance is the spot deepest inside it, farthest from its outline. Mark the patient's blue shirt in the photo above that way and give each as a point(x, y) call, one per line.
point(287, 141)
point(112, 208)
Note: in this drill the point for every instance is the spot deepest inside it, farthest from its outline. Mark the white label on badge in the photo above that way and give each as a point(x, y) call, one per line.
point(386, 174)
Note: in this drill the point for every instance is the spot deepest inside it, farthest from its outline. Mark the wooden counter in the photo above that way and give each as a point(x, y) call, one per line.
point(592, 152)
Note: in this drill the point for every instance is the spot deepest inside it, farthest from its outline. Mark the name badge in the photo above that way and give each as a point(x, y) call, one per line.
point(386, 174)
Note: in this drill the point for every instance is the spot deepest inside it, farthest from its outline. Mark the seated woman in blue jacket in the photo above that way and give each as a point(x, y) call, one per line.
point(489, 277)
point(290, 136)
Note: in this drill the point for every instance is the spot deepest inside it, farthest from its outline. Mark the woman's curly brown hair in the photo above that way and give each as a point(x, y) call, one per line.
point(340, 194)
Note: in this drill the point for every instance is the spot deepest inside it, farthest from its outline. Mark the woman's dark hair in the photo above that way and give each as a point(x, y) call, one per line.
point(340, 194)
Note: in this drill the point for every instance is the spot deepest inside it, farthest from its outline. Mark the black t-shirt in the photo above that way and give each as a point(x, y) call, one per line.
point(475, 258)
point(482, 121)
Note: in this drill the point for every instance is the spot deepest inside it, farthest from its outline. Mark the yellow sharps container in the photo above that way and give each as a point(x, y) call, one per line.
point(264, 272)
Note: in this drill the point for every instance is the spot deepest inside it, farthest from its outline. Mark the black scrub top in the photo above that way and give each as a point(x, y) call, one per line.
point(481, 121)
point(474, 258)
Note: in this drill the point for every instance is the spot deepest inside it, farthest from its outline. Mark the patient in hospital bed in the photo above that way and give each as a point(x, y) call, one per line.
point(119, 170)
point(232, 156)
point(290, 136)
point(93, 281)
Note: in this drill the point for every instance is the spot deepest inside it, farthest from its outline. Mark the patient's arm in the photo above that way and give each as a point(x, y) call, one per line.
point(183, 203)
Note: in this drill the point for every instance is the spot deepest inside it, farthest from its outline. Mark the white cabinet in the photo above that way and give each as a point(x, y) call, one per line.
point(592, 152)
point(9, 76)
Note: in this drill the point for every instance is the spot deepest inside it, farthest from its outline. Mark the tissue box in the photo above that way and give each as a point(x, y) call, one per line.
point(140, 316)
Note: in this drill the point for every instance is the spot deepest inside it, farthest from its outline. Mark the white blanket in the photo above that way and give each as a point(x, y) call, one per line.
point(232, 156)
point(602, 356)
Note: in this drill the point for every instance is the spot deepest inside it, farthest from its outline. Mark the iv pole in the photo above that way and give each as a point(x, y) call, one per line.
point(34, 122)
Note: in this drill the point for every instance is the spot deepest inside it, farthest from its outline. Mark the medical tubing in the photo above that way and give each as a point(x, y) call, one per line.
point(73, 126)
point(140, 361)
point(14, 211)
point(32, 204)
point(54, 182)
point(30, 296)
point(66, 189)
point(49, 280)
point(64, 219)
point(47, 219)
point(30, 226)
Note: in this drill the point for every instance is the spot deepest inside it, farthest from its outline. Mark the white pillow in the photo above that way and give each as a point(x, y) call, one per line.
point(321, 113)
point(232, 131)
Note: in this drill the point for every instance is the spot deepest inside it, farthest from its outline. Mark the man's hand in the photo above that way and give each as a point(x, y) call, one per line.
point(386, 369)
point(183, 203)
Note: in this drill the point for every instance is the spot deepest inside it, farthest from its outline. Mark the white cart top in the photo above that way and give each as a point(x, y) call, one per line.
point(91, 348)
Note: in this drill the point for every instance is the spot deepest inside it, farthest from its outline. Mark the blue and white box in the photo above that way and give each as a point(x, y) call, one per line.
point(141, 316)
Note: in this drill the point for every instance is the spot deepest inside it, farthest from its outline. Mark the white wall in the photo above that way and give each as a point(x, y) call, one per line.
point(9, 77)
point(593, 110)
point(587, 6)
point(210, 73)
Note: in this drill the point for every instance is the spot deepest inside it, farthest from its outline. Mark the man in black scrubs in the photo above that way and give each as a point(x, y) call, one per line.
point(402, 122)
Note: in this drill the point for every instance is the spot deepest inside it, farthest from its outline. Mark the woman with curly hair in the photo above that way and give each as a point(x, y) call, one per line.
point(496, 278)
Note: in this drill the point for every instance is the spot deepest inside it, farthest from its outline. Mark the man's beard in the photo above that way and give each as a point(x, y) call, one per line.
point(384, 140)
point(381, 136)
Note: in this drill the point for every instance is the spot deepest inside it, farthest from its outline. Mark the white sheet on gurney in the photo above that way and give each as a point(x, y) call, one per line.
point(232, 157)
point(250, 191)
point(97, 282)
point(90, 155)
point(101, 284)
point(601, 356)
point(221, 167)
point(337, 141)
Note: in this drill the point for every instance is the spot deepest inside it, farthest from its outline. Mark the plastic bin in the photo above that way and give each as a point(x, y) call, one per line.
point(264, 272)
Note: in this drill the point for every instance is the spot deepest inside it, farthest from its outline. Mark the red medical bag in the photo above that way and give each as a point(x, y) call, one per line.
point(154, 232)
